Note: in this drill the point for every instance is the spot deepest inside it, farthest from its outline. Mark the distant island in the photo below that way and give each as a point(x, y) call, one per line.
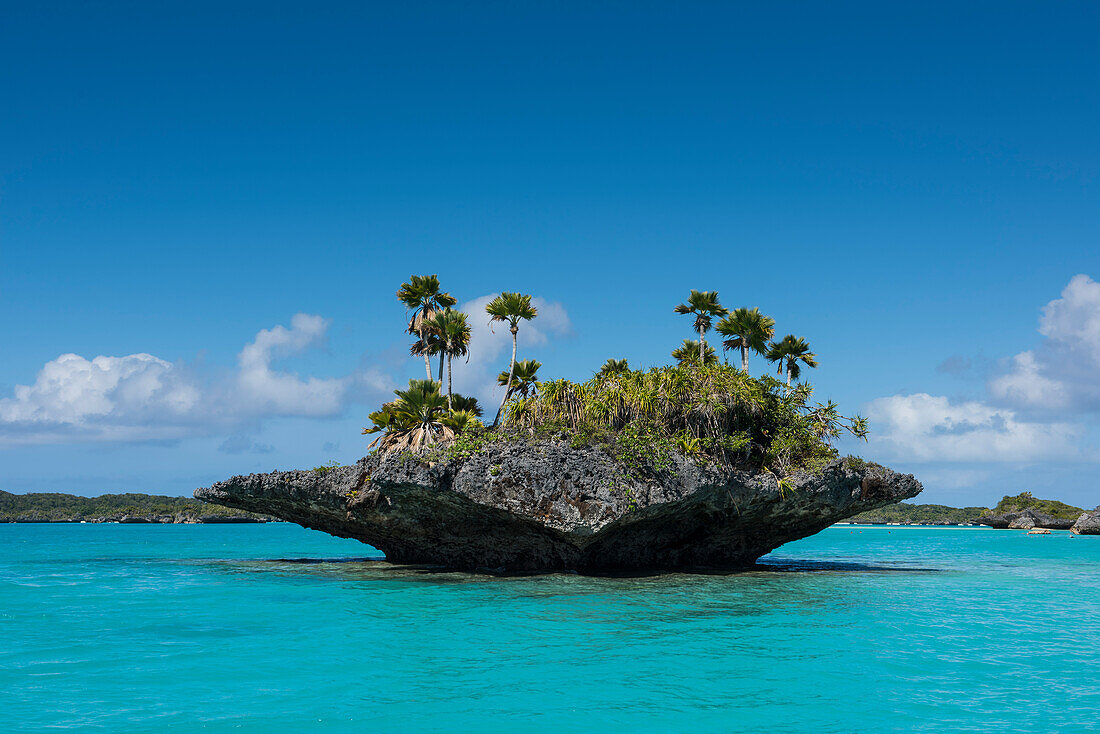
point(905, 513)
point(1022, 511)
point(124, 508)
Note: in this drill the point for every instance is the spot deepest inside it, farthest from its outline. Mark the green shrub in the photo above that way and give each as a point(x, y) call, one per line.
point(326, 468)
point(1026, 501)
point(711, 413)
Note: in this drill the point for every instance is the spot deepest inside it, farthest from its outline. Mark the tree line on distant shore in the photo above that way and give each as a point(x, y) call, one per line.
point(59, 507)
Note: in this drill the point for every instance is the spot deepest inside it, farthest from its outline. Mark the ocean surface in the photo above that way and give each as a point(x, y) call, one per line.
point(273, 628)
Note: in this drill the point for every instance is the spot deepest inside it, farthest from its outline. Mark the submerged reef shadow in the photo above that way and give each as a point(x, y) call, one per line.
point(380, 568)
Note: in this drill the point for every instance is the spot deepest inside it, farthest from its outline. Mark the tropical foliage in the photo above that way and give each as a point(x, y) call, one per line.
point(524, 378)
point(422, 296)
point(1026, 501)
point(699, 408)
point(418, 419)
point(688, 353)
point(614, 367)
point(788, 353)
point(511, 308)
point(715, 412)
point(452, 332)
point(705, 307)
point(747, 330)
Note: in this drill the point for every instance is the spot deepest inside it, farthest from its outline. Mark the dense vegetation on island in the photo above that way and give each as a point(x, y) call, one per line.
point(903, 512)
point(1025, 501)
point(701, 407)
point(56, 507)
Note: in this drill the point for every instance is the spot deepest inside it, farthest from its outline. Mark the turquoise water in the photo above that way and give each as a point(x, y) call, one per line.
point(227, 628)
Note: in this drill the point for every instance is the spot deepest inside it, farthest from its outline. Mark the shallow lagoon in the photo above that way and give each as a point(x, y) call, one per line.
point(237, 628)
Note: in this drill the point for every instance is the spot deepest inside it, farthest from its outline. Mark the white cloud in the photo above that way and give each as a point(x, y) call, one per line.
point(1034, 405)
point(1063, 373)
point(1074, 319)
point(267, 392)
point(1025, 384)
point(140, 397)
point(106, 398)
point(924, 427)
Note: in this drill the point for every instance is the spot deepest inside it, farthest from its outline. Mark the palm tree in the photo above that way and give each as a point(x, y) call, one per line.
point(524, 378)
point(614, 367)
point(461, 420)
point(460, 403)
point(422, 296)
point(788, 352)
point(705, 306)
point(513, 308)
point(746, 329)
point(453, 332)
point(689, 352)
point(414, 421)
point(429, 345)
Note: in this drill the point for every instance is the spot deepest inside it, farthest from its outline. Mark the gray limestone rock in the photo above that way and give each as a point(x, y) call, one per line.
point(523, 507)
point(1087, 524)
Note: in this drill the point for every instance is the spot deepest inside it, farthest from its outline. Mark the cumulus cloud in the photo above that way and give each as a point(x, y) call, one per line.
point(924, 427)
point(1026, 384)
point(1036, 400)
point(1063, 372)
point(139, 397)
point(265, 391)
point(105, 398)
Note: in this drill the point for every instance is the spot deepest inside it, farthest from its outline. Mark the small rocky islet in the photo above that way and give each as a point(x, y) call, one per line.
point(697, 465)
point(1023, 511)
point(693, 466)
point(546, 506)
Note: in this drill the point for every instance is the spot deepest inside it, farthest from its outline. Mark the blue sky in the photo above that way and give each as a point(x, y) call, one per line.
point(908, 186)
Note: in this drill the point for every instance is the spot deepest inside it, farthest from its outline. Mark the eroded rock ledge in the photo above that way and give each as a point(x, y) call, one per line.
point(539, 507)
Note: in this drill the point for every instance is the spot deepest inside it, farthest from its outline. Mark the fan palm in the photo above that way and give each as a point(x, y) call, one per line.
point(524, 378)
point(453, 332)
point(788, 352)
point(461, 420)
point(422, 296)
point(746, 329)
point(705, 306)
point(460, 403)
point(689, 352)
point(428, 346)
point(414, 421)
point(614, 367)
point(513, 308)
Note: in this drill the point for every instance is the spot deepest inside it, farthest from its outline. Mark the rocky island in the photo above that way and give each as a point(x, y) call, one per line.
point(546, 506)
point(1087, 524)
point(131, 508)
point(698, 465)
point(1026, 512)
